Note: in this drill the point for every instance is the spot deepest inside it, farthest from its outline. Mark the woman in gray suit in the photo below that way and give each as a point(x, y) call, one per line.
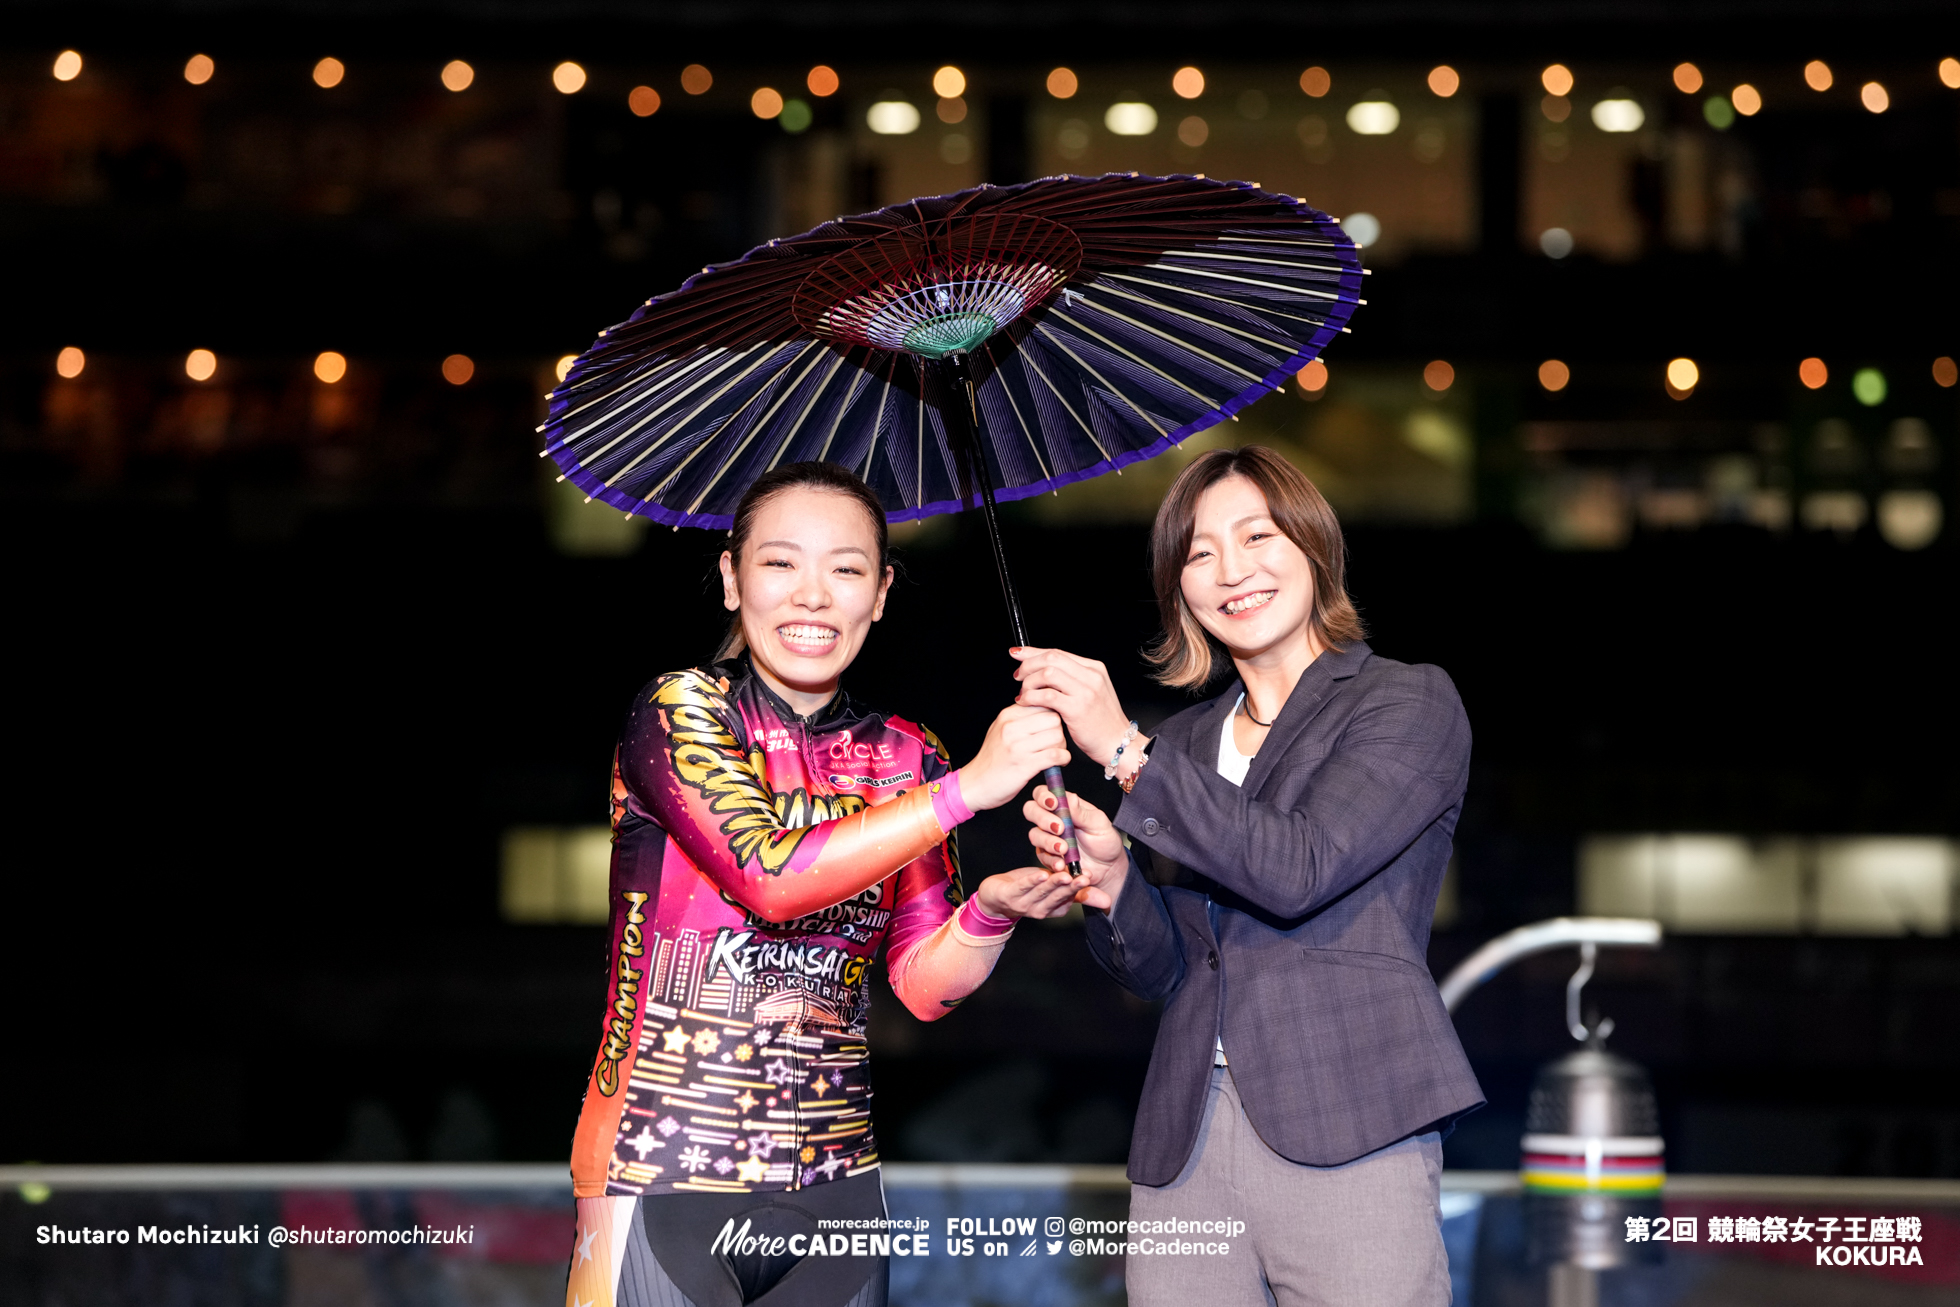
point(1286, 844)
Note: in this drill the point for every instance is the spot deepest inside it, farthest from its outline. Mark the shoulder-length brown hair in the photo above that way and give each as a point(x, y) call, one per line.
point(1185, 655)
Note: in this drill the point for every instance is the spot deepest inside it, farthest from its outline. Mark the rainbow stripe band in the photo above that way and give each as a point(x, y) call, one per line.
point(1564, 1164)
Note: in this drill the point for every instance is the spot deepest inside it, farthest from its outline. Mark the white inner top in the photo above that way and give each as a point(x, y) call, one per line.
point(1232, 765)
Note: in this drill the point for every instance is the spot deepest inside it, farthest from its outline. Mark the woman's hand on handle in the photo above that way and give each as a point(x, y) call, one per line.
point(1027, 892)
point(1080, 690)
point(1105, 862)
point(1022, 743)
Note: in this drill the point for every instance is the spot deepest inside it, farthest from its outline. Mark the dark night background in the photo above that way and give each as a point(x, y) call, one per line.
point(272, 703)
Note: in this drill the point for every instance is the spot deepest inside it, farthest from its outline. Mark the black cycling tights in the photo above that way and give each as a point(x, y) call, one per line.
point(677, 1253)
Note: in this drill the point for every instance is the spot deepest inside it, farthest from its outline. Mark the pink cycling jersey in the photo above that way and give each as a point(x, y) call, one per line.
point(760, 862)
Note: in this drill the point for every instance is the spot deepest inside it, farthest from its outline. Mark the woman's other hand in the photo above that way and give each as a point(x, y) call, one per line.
point(1080, 690)
point(1022, 743)
point(1027, 892)
point(1105, 862)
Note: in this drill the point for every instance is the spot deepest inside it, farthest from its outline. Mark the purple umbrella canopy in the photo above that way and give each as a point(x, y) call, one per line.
point(1079, 323)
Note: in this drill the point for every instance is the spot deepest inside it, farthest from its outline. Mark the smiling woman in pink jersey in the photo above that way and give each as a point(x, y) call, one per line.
point(771, 838)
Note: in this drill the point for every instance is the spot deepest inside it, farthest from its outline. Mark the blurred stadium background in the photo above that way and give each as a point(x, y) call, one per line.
point(1647, 436)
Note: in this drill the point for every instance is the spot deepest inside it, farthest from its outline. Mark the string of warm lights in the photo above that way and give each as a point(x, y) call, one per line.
point(330, 367)
point(1680, 377)
point(1617, 111)
point(570, 78)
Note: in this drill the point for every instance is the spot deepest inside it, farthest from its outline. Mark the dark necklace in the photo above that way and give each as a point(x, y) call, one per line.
point(1245, 706)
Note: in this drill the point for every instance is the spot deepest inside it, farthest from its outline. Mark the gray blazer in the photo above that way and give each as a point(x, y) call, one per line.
point(1291, 917)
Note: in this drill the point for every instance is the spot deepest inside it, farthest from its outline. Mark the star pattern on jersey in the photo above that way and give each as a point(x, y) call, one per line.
point(818, 1084)
point(676, 1040)
point(782, 1073)
point(643, 1143)
point(761, 1145)
point(751, 1171)
point(746, 1101)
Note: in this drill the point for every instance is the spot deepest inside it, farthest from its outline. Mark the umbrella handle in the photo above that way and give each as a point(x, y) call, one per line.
point(1059, 788)
point(962, 424)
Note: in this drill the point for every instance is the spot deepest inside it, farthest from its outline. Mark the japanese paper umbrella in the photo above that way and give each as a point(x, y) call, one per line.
point(991, 344)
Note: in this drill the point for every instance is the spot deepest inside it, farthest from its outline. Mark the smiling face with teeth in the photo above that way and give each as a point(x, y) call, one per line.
point(807, 589)
point(1245, 580)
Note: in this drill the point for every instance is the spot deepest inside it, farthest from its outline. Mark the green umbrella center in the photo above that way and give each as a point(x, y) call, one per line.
point(950, 333)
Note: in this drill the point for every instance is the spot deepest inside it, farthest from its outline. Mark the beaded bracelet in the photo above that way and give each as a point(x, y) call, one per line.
point(1109, 772)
